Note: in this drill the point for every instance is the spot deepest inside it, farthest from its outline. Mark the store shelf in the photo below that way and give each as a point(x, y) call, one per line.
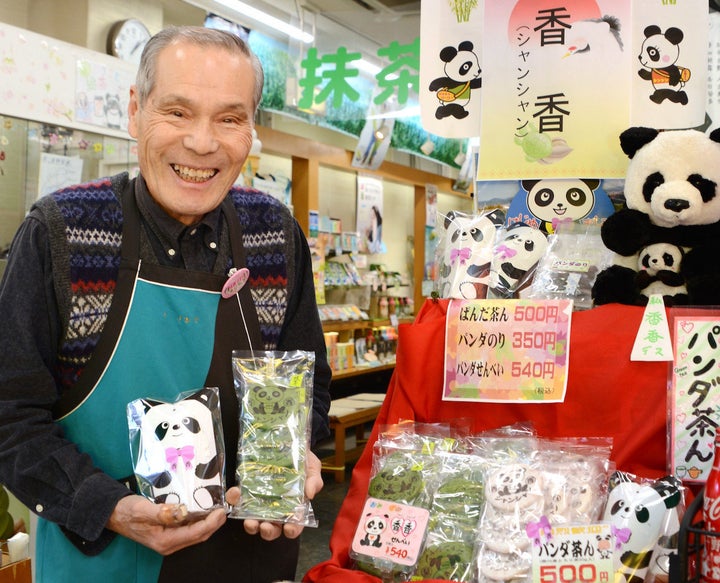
point(361, 370)
point(345, 325)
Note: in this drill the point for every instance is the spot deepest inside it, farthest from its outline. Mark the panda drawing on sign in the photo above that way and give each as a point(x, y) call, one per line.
point(554, 202)
point(178, 445)
point(658, 55)
point(659, 274)
point(514, 258)
point(374, 527)
point(462, 75)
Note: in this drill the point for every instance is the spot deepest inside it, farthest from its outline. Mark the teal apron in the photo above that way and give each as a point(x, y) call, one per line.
point(168, 331)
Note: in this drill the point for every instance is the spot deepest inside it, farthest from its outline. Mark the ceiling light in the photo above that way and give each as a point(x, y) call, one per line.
point(248, 11)
point(367, 67)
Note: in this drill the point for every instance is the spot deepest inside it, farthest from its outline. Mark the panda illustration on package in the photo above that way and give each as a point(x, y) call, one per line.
point(462, 75)
point(640, 515)
point(179, 460)
point(375, 525)
point(659, 55)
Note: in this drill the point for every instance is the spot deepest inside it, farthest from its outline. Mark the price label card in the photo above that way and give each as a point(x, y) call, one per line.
point(390, 532)
point(507, 350)
point(578, 553)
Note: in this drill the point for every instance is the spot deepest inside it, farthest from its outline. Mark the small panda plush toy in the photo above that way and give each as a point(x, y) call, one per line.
point(659, 273)
point(672, 196)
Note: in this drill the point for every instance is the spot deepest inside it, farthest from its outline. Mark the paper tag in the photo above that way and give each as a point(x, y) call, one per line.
point(652, 342)
point(235, 282)
point(390, 531)
point(582, 552)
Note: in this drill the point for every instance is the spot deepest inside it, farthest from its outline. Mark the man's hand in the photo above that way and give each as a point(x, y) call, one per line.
point(272, 530)
point(162, 527)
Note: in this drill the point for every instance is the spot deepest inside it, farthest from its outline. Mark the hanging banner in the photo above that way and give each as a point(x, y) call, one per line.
point(670, 43)
point(694, 398)
point(555, 93)
point(507, 350)
point(451, 75)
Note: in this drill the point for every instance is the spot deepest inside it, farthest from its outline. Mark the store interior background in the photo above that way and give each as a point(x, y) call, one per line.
point(322, 154)
point(315, 157)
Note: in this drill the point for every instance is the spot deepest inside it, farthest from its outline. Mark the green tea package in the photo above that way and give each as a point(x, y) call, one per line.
point(274, 390)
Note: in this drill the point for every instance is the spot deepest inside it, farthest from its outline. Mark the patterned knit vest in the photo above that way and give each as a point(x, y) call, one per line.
point(90, 222)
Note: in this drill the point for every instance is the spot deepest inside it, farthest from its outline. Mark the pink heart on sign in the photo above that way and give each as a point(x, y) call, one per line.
point(683, 355)
point(680, 417)
point(687, 327)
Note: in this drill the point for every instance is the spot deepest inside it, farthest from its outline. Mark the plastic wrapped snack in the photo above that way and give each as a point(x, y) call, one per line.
point(465, 253)
point(178, 451)
point(275, 394)
point(644, 518)
point(457, 504)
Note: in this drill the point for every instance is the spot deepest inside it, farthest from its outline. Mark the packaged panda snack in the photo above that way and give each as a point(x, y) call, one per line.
point(177, 450)
point(274, 389)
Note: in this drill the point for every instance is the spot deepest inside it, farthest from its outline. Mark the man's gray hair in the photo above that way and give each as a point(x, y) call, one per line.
point(200, 36)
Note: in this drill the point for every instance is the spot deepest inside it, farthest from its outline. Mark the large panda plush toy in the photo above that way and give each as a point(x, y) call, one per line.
point(672, 195)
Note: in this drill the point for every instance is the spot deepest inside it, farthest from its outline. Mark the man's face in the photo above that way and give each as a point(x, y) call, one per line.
point(194, 130)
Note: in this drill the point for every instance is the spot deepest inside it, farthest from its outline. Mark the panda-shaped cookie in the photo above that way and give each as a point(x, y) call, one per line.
point(179, 461)
point(467, 253)
point(659, 55)
point(514, 257)
point(462, 75)
point(659, 274)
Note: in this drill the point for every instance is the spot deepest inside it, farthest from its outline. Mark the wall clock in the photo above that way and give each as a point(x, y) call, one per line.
point(127, 39)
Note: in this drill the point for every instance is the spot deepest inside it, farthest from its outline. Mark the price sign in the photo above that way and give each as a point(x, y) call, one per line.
point(574, 554)
point(389, 531)
point(507, 350)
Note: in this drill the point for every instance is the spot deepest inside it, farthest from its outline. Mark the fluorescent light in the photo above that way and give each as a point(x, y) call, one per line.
point(248, 11)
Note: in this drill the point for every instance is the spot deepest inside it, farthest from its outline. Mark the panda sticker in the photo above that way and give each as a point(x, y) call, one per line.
point(462, 75)
point(659, 55)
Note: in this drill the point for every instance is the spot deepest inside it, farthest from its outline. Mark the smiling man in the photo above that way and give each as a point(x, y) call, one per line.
point(112, 293)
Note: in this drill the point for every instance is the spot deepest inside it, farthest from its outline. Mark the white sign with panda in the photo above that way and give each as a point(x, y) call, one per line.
point(670, 45)
point(450, 91)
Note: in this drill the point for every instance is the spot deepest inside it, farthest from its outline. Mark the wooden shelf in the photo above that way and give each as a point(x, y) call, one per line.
point(345, 325)
point(353, 372)
point(307, 156)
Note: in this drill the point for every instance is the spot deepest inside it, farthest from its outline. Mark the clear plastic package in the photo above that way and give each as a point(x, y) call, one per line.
point(178, 451)
point(274, 389)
